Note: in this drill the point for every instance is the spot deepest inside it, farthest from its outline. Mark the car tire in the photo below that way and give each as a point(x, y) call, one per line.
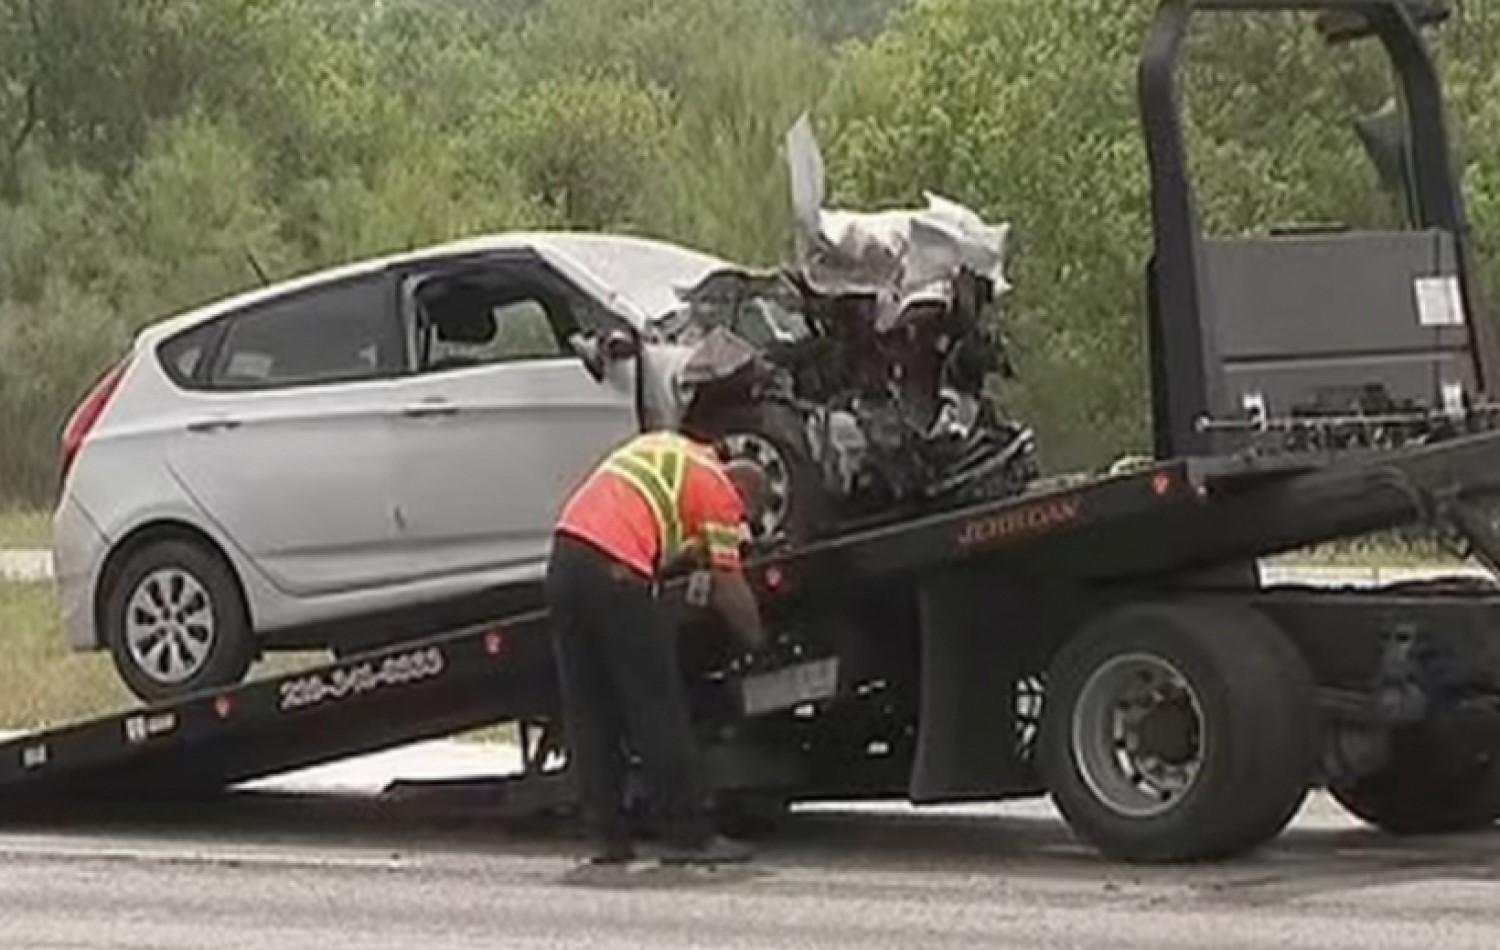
point(773, 435)
point(1426, 788)
point(1178, 732)
point(175, 621)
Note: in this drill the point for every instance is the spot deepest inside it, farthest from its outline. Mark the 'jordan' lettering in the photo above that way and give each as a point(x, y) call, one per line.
point(1018, 522)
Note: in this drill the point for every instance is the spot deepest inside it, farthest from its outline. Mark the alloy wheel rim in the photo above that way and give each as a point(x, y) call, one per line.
point(763, 452)
point(170, 626)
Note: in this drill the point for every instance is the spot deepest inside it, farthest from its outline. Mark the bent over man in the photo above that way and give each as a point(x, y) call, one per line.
point(655, 503)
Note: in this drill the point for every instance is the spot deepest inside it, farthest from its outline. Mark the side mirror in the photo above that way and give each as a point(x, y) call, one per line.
point(597, 355)
point(587, 349)
point(619, 345)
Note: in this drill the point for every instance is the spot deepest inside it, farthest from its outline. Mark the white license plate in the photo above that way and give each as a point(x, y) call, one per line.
point(790, 686)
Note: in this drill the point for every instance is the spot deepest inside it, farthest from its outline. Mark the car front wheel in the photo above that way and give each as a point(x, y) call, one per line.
point(772, 436)
point(175, 621)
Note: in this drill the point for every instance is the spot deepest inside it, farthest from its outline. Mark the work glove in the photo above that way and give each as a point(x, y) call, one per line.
point(692, 557)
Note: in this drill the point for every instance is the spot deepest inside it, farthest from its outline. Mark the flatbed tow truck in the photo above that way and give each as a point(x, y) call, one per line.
point(1103, 639)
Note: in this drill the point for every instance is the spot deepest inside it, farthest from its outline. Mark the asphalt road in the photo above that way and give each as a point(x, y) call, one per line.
point(272, 871)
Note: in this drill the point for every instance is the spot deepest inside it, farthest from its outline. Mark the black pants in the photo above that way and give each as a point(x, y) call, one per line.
point(617, 660)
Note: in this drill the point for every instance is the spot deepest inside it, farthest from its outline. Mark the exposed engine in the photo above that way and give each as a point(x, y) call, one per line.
point(881, 339)
point(896, 412)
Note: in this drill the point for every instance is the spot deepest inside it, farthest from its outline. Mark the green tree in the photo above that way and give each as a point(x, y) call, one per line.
point(1023, 111)
point(733, 77)
point(147, 148)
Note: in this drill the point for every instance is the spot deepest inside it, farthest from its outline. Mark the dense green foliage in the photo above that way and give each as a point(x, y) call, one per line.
point(150, 150)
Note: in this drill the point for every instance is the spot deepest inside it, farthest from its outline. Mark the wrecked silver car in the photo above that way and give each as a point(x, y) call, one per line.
point(403, 430)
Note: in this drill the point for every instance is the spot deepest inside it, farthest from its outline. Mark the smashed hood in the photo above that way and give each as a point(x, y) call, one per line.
point(901, 256)
point(896, 258)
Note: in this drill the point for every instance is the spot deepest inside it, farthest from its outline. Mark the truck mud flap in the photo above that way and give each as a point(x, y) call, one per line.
point(967, 711)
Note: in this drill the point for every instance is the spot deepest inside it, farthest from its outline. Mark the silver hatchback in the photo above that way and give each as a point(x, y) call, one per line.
point(299, 465)
point(381, 449)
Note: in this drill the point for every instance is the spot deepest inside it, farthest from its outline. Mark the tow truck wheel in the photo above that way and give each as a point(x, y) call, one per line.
point(1429, 787)
point(175, 621)
point(1178, 732)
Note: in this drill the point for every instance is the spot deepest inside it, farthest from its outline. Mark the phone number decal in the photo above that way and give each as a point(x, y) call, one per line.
point(397, 670)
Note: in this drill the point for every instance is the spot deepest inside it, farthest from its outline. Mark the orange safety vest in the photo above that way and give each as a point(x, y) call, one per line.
point(652, 496)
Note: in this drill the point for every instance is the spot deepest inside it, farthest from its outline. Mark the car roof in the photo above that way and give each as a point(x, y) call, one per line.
point(636, 277)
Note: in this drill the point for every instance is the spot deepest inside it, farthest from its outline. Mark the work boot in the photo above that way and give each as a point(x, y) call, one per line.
point(612, 851)
point(715, 849)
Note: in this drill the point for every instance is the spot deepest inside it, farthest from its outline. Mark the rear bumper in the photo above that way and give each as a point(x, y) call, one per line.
point(78, 552)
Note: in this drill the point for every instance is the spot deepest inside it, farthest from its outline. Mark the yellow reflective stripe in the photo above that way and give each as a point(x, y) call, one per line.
point(651, 498)
point(651, 485)
point(721, 533)
point(673, 464)
point(722, 542)
point(665, 455)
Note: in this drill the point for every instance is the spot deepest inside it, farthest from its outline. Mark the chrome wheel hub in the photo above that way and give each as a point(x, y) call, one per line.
point(1138, 735)
point(764, 453)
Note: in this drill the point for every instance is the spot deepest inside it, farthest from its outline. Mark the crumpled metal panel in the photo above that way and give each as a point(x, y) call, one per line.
point(902, 257)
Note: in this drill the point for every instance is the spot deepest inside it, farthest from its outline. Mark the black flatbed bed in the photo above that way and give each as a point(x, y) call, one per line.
point(1160, 521)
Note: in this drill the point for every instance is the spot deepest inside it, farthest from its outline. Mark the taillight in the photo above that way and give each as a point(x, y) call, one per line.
point(82, 421)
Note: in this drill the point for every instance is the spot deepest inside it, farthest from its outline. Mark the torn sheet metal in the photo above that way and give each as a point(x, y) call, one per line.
point(902, 257)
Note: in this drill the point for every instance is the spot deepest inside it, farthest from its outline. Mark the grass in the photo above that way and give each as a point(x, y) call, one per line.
point(42, 681)
point(1339, 556)
point(1387, 549)
point(25, 528)
point(504, 733)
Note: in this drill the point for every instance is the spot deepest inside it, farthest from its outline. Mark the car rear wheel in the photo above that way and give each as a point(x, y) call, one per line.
point(1177, 732)
point(175, 621)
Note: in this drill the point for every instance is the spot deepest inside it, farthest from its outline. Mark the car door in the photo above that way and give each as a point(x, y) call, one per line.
point(285, 441)
point(500, 421)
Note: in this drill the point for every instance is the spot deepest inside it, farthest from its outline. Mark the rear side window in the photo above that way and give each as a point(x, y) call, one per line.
point(343, 333)
point(184, 355)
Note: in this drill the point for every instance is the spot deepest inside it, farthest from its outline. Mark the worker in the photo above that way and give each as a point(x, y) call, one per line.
point(658, 504)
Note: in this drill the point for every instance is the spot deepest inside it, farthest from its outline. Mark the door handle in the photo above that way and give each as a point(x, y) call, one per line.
point(213, 425)
point(429, 409)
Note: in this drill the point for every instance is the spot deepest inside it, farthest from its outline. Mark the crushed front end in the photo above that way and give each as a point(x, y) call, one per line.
point(880, 341)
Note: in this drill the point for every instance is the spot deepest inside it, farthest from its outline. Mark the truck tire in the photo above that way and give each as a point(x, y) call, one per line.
point(772, 434)
point(1425, 790)
point(1177, 732)
point(175, 621)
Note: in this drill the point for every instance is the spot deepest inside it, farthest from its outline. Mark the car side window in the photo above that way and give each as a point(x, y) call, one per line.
point(514, 331)
point(342, 333)
point(470, 321)
point(183, 355)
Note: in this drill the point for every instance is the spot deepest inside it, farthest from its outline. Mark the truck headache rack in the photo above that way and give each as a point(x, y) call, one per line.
point(1255, 337)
